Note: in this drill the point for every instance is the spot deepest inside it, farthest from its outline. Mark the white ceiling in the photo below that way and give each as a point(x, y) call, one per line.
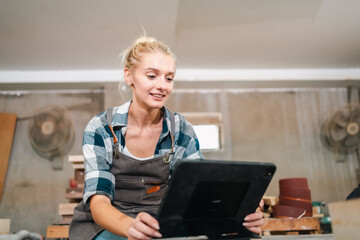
point(211, 34)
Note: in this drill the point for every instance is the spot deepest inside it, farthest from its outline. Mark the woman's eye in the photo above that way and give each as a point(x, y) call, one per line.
point(169, 78)
point(151, 76)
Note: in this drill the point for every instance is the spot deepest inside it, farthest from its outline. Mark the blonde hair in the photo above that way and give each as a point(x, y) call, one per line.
point(142, 45)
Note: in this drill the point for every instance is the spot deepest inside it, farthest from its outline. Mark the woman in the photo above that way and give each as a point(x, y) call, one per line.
point(130, 150)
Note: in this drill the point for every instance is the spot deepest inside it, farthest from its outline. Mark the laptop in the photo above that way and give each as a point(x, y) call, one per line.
point(211, 198)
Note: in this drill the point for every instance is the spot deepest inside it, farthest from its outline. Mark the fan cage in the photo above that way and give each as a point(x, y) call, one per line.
point(51, 132)
point(340, 132)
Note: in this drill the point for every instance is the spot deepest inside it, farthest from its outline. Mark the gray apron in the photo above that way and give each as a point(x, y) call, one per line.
point(139, 187)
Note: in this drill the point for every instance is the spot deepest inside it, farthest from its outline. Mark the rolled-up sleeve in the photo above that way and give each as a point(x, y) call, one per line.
point(188, 146)
point(97, 150)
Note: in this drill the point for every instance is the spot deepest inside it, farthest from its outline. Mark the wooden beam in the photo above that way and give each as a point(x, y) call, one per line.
point(7, 131)
point(291, 224)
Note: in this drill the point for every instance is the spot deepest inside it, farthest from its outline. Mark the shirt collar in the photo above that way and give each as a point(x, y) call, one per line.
point(121, 116)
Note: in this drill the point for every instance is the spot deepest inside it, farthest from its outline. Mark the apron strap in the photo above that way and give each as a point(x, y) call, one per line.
point(109, 117)
point(172, 131)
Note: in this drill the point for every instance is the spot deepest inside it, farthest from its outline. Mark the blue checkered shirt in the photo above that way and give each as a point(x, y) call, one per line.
point(98, 147)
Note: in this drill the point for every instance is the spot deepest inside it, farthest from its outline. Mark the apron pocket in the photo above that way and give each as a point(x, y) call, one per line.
point(154, 192)
point(129, 189)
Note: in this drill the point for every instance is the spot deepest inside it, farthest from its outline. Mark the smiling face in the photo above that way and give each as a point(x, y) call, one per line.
point(151, 79)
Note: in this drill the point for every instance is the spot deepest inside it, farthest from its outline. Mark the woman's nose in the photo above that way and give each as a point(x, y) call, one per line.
point(161, 82)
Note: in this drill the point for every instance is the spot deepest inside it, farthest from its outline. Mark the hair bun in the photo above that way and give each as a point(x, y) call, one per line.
point(144, 44)
point(144, 39)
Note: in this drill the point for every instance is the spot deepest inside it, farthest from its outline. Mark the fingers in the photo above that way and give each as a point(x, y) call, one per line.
point(254, 216)
point(148, 220)
point(261, 204)
point(254, 221)
point(254, 226)
point(144, 227)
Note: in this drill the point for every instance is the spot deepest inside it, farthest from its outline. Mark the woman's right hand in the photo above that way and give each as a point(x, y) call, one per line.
point(144, 227)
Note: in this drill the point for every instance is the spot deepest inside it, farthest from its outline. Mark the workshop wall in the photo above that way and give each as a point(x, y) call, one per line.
point(279, 126)
point(33, 189)
point(283, 127)
point(275, 125)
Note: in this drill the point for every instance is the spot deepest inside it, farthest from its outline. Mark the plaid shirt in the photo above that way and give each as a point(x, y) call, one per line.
point(98, 147)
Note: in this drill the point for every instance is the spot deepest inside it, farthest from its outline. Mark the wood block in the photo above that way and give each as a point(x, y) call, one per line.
point(74, 200)
point(7, 131)
point(4, 226)
point(270, 200)
point(65, 220)
point(57, 231)
point(78, 166)
point(74, 193)
point(291, 224)
point(79, 175)
point(318, 215)
point(345, 219)
point(66, 208)
point(76, 158)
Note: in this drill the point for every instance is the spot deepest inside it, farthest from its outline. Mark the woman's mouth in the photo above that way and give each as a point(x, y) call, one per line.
point(157, 95)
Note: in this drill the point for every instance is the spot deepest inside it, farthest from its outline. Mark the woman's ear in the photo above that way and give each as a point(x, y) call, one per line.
point(128, 77)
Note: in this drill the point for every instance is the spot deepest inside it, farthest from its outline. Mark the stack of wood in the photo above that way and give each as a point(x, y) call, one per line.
point(269, 203)
point(75, 190)
point(286, 226)
point(74, 193)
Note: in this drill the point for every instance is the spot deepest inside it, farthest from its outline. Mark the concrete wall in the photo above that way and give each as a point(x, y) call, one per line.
point(33, 189)
point(279, 127)
point(275, 125)
point(259, 125)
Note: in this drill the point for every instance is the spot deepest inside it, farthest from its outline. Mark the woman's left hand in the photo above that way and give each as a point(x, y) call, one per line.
point(254, 221)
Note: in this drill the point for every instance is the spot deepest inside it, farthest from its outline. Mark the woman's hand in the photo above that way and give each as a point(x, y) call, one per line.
point(254, 221)
point(144, 227)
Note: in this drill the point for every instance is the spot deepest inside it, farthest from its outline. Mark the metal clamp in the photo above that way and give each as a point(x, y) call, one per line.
point(166, 160)
point(116, 150)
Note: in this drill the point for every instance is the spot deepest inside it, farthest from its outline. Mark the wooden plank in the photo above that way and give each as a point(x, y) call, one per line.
point(65, 220)
point(270, 200)
point(77, 166)
point(66, 208)
point(345, 219)
point(76, 158)
point(79, 175)
point(291, 224)
point(74, 193)
point(7, 130)
point(57, 231)
point(4, 226)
